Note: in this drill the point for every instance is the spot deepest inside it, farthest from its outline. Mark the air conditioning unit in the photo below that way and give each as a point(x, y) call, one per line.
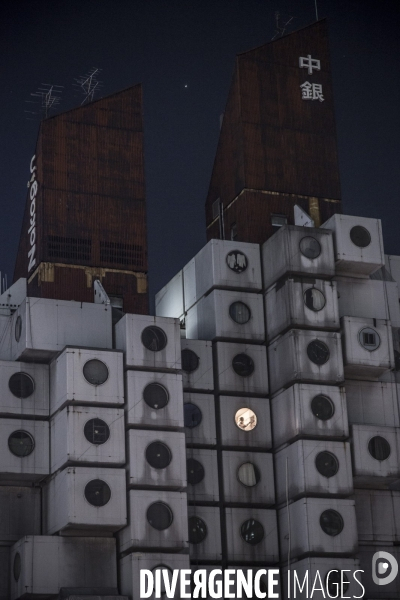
point(245, 422)
point(85, 499)
point(197, 365)
point(24, 389)
point(169, 300)
point(308, 410)
point(24, 450)
point(87, 435)
point(379, 590)
point(301, 303)
point(375, 452)
point(5, 572)
point(227, 315)
point(222, 264)
point(241, 368)
point(358, 244)
point(158, 519)
point(367, 347)
point(318, 526)
point(131, 565)
point(248, 477)
point(41, 328)
point(199, 418)
point(307, 357)
point(157, 459)
point(378, 515)
point(293, 250)
point(149, 342)
point(202, 475)
point(20, 513)
point(252, 535)
point(372, 403)
point(204, 533)
point(86, 377)
point(314, 468)
point(42, 565)
point(368, 299)
point(154, 399)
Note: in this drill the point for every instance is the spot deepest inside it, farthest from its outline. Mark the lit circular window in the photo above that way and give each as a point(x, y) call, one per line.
point(95, 372)
point(239, 312)
point(160, 516)
point(192, 415)
point(197, 530)
point(21, 385)
point(331, 522)
point(248, 474)
point(322, 407)
point(97, 492)
point(243, 365)
point(158, 455)
point(170, 574)
point(21, 443)
point(360, 236)
point(379, 448)
point(310, 247)
point(252, 532)
point(236, 261)
point(18, 329)
point(314, 299)
point(96, 431)
point(369, 339)
point(154, 338)
point(155, 395)
point(327, 464)
point(17, 566)
point(318, 352)
point(245, 419)
point(333, 582)
point(195, 471)
point(190, 360)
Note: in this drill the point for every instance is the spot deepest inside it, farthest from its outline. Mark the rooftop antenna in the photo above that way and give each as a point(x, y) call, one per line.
point(46, 98)
point(316, 11)
point(89, 84)
point(281, 23)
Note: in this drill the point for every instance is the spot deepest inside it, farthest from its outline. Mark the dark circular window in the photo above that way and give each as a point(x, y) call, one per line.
point(331, 522)
point(310, 247)
point(327, 464)
point(236, 261)
point(97, 492)
point(155, 395)
point(192, 415)
point(314, 299)
point(21, 443)
point(369, 339)
point(17, 566)
point(95, 372)
point(360, 236)
point(159, 515)
point(243, 365)
point(195, 471)
point(318, 352)
point(21, 385)
point(239, 312)
point(18, 329)
point(252, 532)
point(334, 584)
point(379, 448)
point(96, 431)
point(154, 338)
point(197, 530)
point(158, 455)
point(248, 474)
point(322, 407)
point(170, 574)
point(190, 360)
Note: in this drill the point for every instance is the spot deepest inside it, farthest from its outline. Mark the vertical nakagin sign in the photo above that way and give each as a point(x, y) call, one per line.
point(33, 188)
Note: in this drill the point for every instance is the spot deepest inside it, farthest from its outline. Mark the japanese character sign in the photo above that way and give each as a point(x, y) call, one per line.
point(312, 91)
point(306, 62)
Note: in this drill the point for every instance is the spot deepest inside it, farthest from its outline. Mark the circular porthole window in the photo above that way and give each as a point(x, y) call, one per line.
point(21, 443)
point(195, 471)
point(236, 261)
point(318, 352)
point(197, 530)
point(314, 299)
point(18, 329)
point(379, 448)
point(248, 474)
point(252, 532)
point(239, 312)
point(243, 365)
point(190, 360)
point(245, 419)
point(331, 522)
point(154, 338)
point(17, 566)
point(192, 415)
point(310, 247)
point(170, 574)
point(160, 516)
point(96, 431)
point(155, 395)
point(95, 372)
point(158, 455)
point(327, 464)
point(97, 492)
point(322, 407)
point(333, 583)
point(369, 339)
point(21, 385)
point(360, 236)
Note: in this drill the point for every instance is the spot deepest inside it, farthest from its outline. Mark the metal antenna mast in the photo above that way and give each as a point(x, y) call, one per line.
point(89, 84)
point(47, 98)
point(316, 11)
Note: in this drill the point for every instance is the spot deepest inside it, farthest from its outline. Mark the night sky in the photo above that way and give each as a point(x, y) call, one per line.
point(183, 52)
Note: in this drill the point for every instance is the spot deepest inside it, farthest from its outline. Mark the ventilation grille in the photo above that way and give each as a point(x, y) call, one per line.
point(70, 248)
point(124, 254)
